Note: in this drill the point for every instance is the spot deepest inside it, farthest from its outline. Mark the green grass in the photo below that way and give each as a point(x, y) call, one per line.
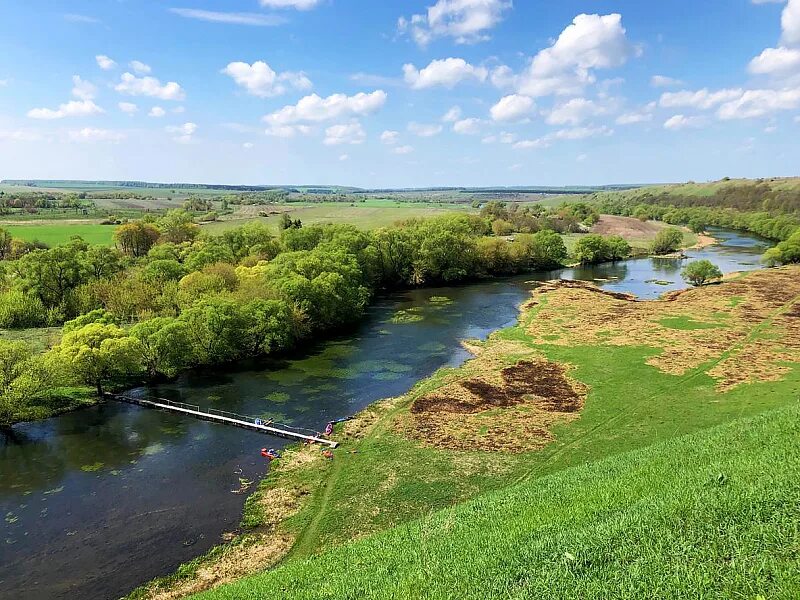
point(55, 233)
point(711, 515)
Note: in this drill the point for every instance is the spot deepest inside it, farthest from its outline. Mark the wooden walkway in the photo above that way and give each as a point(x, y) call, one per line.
point(216, 416)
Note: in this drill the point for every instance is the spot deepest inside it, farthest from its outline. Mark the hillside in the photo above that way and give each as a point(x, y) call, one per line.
point(707, 515)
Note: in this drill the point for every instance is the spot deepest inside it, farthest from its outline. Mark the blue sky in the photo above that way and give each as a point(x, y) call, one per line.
point(399, 94)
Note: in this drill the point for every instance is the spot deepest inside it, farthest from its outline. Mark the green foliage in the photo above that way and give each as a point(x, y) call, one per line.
point(593, 248)
point(667, 240)
point(19, 310)
point(24, 379)
point(786, 252)
point(164, 346)
point(700, 272)
point(136, 239)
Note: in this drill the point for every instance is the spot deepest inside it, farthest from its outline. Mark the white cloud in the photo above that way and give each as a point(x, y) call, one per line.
point(574, 111)
point(643, 115)
point(390, 138)
point(344, 157)
point(178, 110)
point(580, 133)
point(230, 18)
point(128, 107)
point(21, 135)
point(149, 86)
point(776, 61)
point(3, 82)
point(78, 18)
point(663, 81)
point(527, 144)
point(790, 23)
point(104, 62)
point(403, 150)
point(348, 133)
point(581, 157)
point(140, 67)
point(466, 21)
point(758, 103)
point(513, 107)
point(590, 42)
point(74, 108)
point(183, 134)
point(423, 129)
point(701, 99)
point(287, 131)
point(452, 115)
point(446, 72)
point(677, 122)
point(467, 126)
point(259, 79)
point(296, 4)
point(90, 134)
point(82, 89)
point(314, 109)
point(157, 112)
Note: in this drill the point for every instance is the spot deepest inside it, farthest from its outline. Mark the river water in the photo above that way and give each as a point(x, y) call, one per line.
point(101, 500)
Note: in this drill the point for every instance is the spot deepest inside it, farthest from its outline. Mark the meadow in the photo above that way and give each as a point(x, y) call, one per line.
point(54, 233)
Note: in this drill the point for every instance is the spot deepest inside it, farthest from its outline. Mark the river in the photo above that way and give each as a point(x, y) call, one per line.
point(98, 501)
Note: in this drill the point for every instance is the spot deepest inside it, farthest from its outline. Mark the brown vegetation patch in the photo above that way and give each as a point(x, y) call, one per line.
point(627, 227)
point(502, 409)
point(744, 329)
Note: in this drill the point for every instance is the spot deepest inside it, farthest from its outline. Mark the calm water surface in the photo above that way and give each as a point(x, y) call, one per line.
point(101, 500)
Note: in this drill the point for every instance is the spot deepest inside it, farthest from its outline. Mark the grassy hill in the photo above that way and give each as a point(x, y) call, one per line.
point(709, 515)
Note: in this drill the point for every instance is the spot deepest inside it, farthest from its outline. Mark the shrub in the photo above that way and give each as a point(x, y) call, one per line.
point(700, 272)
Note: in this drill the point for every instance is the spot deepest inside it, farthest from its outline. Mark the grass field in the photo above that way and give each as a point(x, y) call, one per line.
point(54, 233)
point(582, 378)
point(711, 515)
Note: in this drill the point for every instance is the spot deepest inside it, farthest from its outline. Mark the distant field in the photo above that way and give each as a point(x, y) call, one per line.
point(55, 233)
point(366, 215)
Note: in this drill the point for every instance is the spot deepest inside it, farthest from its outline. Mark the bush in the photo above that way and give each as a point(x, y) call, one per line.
point(700, 272)
point(19, 310)
point(667, 241)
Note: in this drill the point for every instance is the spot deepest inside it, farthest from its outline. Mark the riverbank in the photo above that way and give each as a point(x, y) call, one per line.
point(537, 398)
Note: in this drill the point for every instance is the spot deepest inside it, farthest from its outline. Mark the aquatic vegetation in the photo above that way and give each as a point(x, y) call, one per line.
point(277, 397)
point(153, 449)
point(406, 315)
point(91, 468)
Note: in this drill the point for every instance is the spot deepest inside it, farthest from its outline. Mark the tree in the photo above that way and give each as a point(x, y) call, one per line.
point(164, 347)
point(178, 226)
point(700, 272)
point(592, 248)
point(618, 248)
point(5, 244)
point(787, 252)
point(52, 274)
point(667, 240)
point(135, 239)
point(98, 354)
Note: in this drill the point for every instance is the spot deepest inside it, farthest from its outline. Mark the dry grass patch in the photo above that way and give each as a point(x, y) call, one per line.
point(746, 328)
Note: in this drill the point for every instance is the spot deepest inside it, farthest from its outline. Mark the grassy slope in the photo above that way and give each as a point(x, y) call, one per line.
point(55, 233)
point(714, 514)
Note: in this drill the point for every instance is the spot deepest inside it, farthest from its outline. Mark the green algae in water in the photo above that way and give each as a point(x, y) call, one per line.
point(658, 281)
point(440, 300)
point(275, 416)
point(278, 397)
point(407, 315)
point(387, 376)
point(214, 398)
point(432, 347)
point(11, 518)
point(92, 467)
point(57, 490)
point(153, 449)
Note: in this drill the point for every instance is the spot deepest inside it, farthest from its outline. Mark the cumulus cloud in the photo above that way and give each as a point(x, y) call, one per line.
point(677, 122)
point(82, 89)
point(700, 99)
point(287, 131)
point(446, 72)
point(104, 62)
point(90, 134)
point(591, 42)
point(469, 126)
point(466, 21)
point(643, 115)
point(314, 109)
point(424, 130)
point(183, 133)
point(75, 108)
point(452, 115)
point(572, 133)
point(296, 4)
point(230, 18)
point(348, 133)
point(663, 81)
point(776, 61)
point(128, 107)
point(157, 112)
point(758, 103)
point(259, 79)
point(149, 86)
point(513, 107)
point(574, 111)
point(139, 67)
point(390, 138)
point(790, 23)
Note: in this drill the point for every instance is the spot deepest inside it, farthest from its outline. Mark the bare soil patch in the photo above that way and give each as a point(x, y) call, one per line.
point(627, 227)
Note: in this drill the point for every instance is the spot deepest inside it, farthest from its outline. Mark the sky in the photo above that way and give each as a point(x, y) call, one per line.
point(390, 93)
